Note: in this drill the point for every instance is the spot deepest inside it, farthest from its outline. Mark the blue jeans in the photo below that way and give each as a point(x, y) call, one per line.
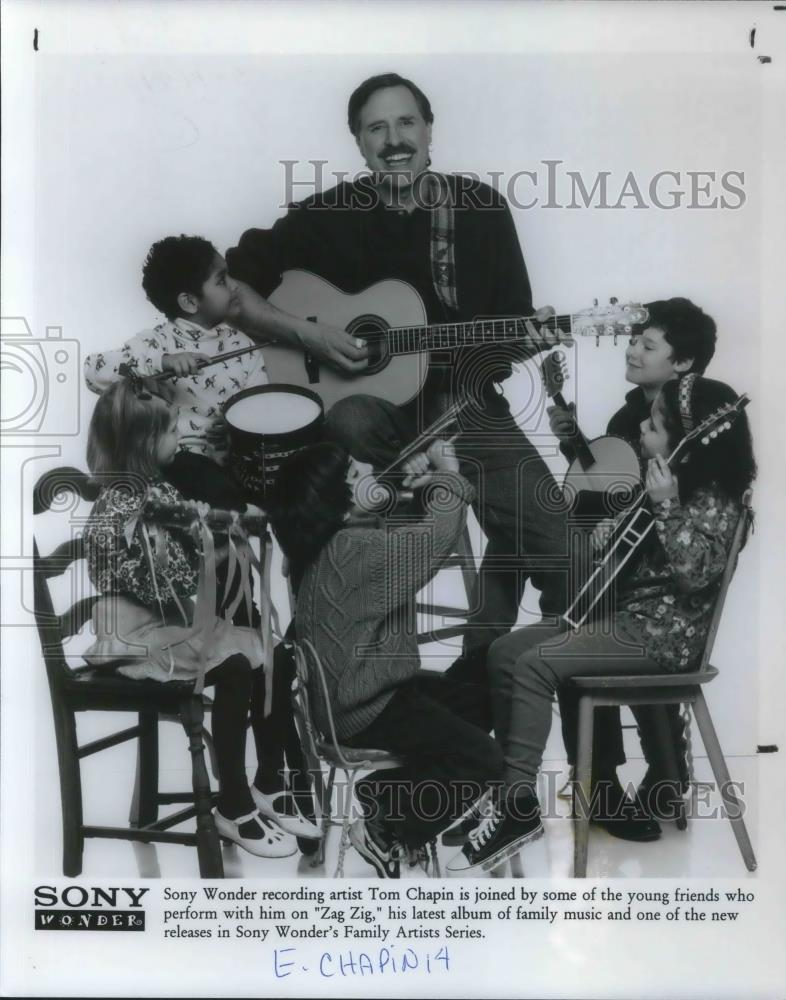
point(527, 667)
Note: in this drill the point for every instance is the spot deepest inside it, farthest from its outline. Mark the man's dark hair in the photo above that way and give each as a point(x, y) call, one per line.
point(173, 265)
point(362, 93)
point(687, 328)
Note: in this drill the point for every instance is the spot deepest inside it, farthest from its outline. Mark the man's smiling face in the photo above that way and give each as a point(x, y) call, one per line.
point(393, 137)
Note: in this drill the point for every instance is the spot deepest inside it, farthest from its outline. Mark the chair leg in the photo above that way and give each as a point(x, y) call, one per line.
point(345, 820)
point(468, 572)
point(436, 871)
point(207, 736)
point(70, 790)
point(211, 864)
point(144, 803)
point(734, 808)
point(668, 756)
point(324, 796)
point(302, 784)
point(582, 786)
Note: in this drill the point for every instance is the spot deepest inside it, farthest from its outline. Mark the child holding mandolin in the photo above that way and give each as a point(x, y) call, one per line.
point(663, 608)
point(678, 338)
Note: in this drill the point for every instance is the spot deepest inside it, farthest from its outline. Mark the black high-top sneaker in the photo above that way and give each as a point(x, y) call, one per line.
point(498, 837)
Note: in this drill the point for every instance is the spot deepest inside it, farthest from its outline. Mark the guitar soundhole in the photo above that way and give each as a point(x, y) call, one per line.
point(372, 329)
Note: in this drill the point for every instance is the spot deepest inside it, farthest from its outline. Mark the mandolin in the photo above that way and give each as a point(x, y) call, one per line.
point(636, 522)
point(391, 318)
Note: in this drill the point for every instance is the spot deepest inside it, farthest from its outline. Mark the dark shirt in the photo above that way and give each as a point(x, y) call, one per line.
point(349, 238)
point(625, 423)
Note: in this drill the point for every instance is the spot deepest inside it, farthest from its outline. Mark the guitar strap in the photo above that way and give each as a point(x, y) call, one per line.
point(443, 239)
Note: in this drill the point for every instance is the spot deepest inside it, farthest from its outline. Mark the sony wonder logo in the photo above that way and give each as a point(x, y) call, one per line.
point(76, 908)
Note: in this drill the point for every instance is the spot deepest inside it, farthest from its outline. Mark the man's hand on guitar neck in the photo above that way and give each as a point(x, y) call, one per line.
point(263, 321)
point(544, 336)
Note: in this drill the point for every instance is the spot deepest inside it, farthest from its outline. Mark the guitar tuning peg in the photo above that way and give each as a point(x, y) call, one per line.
point(705, 440)
point(613, 300)
point(727, 426)
point(713, 434)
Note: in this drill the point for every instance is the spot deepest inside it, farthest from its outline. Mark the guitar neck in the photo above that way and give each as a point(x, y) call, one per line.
point(500, 330)
point(579, 443)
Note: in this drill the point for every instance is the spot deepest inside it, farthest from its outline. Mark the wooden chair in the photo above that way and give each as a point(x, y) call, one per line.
point(465, 559)
point(660, 690)
point(318, 748)
point(87, 689)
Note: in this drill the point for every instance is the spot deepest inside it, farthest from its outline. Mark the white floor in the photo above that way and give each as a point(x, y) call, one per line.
point(706, 849)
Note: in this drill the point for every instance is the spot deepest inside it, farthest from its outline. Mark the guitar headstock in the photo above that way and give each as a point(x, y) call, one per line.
point(718, 422)
point(617, 319)
point(554, 372)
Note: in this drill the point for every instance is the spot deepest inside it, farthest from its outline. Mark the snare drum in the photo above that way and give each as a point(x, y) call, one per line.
point(267, 423)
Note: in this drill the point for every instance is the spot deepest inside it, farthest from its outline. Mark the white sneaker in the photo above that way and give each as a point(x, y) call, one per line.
point(281, 809)
point(566, 792)
point(255, 834)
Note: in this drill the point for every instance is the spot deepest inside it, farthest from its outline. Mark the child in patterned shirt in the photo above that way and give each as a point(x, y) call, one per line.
point(186, 279)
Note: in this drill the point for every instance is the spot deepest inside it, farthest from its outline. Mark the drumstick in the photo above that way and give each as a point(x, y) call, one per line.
point(200, 364)
point(126, 371)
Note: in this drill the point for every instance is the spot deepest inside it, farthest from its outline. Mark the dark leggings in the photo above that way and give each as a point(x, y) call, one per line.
point(240, 691)
point(237, 687)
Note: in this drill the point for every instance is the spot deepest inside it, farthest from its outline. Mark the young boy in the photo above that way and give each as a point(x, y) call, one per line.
point(186, 279)
point(678, 338)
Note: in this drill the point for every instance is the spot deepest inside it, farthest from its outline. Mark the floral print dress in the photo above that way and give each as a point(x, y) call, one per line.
point(668, 603)
point(145, 614)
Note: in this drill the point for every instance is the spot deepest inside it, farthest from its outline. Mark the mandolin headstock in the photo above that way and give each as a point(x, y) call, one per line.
point(718, 422)
point(554, 372)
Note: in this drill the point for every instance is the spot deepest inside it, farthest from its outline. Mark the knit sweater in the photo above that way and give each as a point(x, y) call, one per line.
point(356, 605)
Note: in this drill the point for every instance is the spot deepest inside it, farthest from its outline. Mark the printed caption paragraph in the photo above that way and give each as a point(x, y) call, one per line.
point(375, 931)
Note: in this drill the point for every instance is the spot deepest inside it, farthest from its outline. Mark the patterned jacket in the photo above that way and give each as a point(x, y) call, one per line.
point(668, 603)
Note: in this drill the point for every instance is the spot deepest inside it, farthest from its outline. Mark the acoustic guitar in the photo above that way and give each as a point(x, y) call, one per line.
point(604, 468)
point(391, 318)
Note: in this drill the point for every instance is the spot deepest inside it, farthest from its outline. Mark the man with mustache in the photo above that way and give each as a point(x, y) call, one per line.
point(454, 240)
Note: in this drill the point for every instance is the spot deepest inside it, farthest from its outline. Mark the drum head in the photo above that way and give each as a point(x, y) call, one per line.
point(266, 424)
